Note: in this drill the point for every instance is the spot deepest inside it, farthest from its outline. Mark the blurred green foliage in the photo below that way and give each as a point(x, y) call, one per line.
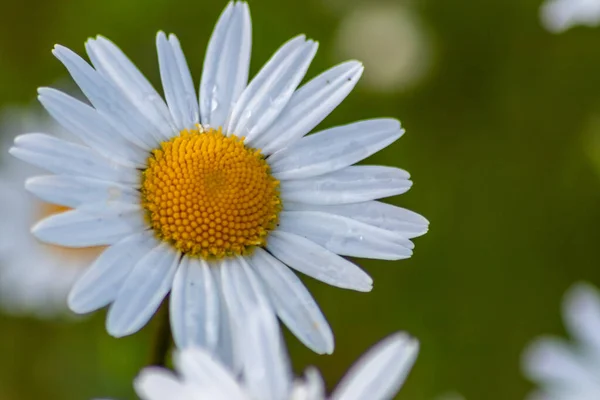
point(496, 143)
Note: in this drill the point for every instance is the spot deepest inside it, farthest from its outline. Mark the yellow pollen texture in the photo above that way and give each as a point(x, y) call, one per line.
point(209, 195)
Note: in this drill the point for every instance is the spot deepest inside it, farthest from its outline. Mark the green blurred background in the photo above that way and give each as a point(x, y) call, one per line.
point(501, 120)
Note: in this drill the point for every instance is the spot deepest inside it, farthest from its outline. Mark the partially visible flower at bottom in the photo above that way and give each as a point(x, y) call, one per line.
point(378, 375)
point(563, 370)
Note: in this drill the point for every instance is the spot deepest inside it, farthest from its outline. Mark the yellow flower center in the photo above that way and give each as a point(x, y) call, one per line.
point(209, 195)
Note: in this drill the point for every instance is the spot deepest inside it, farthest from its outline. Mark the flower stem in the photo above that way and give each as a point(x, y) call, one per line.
point(163, 337)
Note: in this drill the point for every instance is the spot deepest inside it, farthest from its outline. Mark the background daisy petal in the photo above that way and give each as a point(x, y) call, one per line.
point(198, 367)
point(349, 185)
point(143, 291)
point(555, 363)
point(226, 64)
point(317, 262)
point(581, 312)
point(160, 384)
point(293, 303)
point(334, 148)
point(379, 374)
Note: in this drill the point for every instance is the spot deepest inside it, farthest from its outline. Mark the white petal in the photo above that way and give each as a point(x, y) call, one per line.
point(194, 305)
point(310, 105)
point(143, 291)
point(160, 384)
point(116, 67)
point(225, 72)
point(79, 228)
point(110, 101)
point(177, 82)
point(198, 367)
point(311, 387)
point(350, 185)
point(65, 158)
point(346, 236)
point(317, 262)
point(334, 148)
point(74, 191)
point(552, 361)
point(85, 123)
point(380, 373)
point(581, 311)
point(99, 285)
point(257, 339)
point(270, 90)
point(293, 303)
point(386, 216)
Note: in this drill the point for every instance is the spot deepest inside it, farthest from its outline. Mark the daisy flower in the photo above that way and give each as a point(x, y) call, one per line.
point(569, 371)
point(213, 200)
point(560, 15)
point(35, 278)
point(377, 375)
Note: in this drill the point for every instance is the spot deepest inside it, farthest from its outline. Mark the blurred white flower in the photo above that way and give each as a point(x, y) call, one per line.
point(35, 278)
point(559, 15)
point(569, 370)
point(391, 41)
point(378, 375)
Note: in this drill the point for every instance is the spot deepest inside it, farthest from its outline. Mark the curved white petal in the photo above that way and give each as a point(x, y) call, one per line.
point(581, 311)
point(177, 82)
point(109, 101)
point(78, 228)
point(309, 106)
point(99, 285)
point(334, 148)
point(160, 384)
point(553, 362)
point(116, 67)
point(257, 339)
point(386, 216)
point(85, 123)
point(270, 90)
point(226, 64)
point(198, 367)
point(66, 158)
point(311, 387)
point(293, 303)
point(380, 373)
point(74, 191)
point(194, 305)
point(317, 262)
point(143, 291)
point(349, 185)
point(346, 236)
